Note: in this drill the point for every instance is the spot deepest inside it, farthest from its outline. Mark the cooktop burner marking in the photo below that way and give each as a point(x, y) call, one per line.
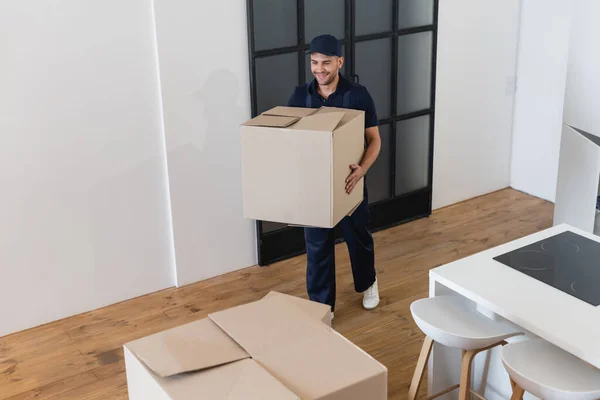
point(546, 250)
point(532, 269)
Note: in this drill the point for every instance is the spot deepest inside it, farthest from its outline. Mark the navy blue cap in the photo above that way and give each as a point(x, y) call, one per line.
point(325, 44)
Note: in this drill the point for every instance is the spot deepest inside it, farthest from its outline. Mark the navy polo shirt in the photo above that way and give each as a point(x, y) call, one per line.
point(360, 99)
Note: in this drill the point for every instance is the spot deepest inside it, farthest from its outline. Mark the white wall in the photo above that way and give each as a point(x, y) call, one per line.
point(84, 218)
point(86, 210)
point(477, 48)
point(582, 96)
point(542, 68)
point(203, 52)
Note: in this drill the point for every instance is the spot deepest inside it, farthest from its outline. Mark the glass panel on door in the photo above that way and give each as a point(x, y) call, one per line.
point(414, 72)
point(378, 177)
point(374, 69)
point(275, 24)
point(373, 16)
point(412, 154)
point(412, 13)
point(324, 17)
point(276, 78)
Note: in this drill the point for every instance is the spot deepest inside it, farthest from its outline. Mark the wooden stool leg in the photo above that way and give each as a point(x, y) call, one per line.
point(420, 368)
point(517, 393)
point(465, 374)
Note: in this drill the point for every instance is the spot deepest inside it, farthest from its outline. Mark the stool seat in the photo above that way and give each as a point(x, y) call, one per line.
point(548, 372)
point(455, 322)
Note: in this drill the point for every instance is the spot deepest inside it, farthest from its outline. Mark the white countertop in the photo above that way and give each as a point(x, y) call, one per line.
point(547, 312)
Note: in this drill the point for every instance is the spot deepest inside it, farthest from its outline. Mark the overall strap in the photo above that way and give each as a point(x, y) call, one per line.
point(308, 101)
point(346, 100)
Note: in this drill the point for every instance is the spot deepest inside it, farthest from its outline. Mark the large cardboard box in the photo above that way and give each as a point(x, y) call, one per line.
point(295, 162)
point(277, 348)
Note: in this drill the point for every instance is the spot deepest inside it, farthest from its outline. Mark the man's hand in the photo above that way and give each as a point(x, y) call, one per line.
point(360, 170)
point(357, 174)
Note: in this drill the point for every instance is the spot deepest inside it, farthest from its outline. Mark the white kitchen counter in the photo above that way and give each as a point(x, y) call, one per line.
point(506, 294)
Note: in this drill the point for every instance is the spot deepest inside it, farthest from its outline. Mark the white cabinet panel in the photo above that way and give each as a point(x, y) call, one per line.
point(582, 94)
point(578, 176)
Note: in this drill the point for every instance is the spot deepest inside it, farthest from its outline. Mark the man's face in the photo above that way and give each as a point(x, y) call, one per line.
point(325, 68)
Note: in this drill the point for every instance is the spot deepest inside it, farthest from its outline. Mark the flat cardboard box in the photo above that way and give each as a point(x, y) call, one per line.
point(295, 162)
point(275, 348)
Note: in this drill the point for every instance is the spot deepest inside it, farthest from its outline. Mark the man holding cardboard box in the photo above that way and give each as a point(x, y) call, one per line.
point(331, 89)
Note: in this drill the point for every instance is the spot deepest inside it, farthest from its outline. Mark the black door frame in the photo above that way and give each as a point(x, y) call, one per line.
point(288, 242)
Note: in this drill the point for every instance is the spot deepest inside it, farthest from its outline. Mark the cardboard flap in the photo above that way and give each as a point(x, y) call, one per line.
point(190, 347)
point(326, 122)
point(242, 380)
point(267, 324)
point(291, 111)
point(273, 121)
point(317, 311)
point(327, 366)
point(350, 114)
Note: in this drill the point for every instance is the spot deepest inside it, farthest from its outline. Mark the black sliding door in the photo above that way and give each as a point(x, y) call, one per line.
point(389, 47)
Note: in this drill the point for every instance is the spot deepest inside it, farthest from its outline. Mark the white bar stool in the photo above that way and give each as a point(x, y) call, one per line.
point(547, 372)
point(453, 321)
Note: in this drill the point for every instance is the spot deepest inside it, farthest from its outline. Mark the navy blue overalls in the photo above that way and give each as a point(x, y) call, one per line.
point(320, 242)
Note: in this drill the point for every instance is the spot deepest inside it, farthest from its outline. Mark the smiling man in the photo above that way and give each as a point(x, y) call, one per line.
point(331, 89)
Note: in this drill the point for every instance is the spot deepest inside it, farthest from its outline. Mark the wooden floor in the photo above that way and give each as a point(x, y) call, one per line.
point(81, 358)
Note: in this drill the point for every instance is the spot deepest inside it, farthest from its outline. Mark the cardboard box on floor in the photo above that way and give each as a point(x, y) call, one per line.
point(295, 162)
point(277, 348)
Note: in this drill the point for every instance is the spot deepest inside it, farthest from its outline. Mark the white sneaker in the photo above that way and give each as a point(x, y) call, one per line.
point(331, 316)
point(371, 297)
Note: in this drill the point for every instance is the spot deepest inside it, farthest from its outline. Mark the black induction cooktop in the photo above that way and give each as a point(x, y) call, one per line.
point(567, 261)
